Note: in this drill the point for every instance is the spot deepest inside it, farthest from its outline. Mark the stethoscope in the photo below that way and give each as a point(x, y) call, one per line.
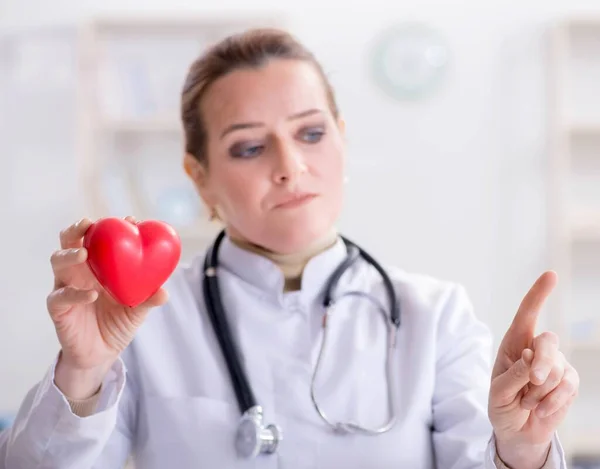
point(253, 437)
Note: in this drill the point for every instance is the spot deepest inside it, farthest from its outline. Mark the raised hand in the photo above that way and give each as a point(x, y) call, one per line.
point(92, 328)
point(533, 384)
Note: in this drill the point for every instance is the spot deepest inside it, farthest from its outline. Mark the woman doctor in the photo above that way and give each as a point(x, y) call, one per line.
point(265, 148)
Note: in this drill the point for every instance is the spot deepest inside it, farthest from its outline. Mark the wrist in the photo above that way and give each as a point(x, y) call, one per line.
point(79, 383)
point(517, 455)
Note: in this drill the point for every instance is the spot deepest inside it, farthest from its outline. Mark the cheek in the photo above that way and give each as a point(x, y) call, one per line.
point(239, 189)
point(332, 173)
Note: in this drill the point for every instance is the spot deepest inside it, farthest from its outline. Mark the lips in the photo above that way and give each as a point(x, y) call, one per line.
point(295, 200)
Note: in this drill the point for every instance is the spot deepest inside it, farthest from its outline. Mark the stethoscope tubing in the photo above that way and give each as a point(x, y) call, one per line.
point(214, 307)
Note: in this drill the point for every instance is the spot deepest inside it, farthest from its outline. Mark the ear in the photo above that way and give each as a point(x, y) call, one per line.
point(192, 168)
point(198, 173)
point(342, 125)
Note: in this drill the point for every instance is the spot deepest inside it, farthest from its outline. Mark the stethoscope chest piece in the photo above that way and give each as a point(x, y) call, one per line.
point(253, 438)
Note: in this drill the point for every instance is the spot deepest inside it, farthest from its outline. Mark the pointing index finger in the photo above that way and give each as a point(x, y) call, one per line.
point(526, 318)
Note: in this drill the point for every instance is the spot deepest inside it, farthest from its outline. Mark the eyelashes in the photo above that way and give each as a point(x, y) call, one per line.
point(313, 135)
point(251, 149)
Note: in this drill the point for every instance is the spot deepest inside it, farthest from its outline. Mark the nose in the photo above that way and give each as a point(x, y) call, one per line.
point(290, 164)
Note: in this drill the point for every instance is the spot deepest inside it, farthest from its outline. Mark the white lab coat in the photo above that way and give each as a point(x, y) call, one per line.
point(169, 400)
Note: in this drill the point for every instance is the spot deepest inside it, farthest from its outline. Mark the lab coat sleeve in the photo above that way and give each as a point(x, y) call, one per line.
point(462, 433)
point(46, 434)
point(555, 460)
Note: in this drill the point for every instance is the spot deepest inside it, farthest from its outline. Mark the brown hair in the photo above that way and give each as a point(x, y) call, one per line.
point(250, 49)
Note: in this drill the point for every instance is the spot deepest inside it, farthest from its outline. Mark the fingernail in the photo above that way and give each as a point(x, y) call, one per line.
point(541, 412)
point(540, 374)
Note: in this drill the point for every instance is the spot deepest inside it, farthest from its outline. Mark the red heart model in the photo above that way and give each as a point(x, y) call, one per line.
point(131, 260)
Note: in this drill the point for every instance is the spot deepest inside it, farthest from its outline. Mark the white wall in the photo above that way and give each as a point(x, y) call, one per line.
point(453, 186)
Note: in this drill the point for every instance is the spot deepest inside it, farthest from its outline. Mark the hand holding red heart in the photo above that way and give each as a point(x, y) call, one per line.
point(532, 387)
point(102, 293)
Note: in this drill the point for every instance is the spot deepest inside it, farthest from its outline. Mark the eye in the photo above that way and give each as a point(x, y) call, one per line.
point(312, 135)
point(245, 150)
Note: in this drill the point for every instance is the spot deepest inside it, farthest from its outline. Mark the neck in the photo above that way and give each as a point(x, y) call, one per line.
point(292, 265)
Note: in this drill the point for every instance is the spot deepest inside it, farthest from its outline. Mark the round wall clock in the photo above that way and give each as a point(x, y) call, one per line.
point(409, 60)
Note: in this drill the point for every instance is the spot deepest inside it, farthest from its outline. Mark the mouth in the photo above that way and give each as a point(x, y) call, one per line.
point(296, 200)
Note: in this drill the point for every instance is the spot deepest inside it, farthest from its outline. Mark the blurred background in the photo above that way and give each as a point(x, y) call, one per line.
point(473, 148)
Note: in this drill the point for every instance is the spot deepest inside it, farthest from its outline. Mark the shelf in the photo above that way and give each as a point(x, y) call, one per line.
point(586, 22)
point(585, 346)
point(142, 125)
point(585, 444)
point(576, 231)
point(586, 227)
point(584, 129)
point(201, 231)
point(191, 23)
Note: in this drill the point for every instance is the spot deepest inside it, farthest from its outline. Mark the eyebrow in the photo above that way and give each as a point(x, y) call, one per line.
point(252, 125)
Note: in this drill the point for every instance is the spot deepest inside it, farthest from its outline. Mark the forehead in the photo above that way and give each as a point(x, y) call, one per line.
point(266, 94)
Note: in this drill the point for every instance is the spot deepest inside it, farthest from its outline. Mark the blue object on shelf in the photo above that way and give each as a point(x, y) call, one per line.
point(5, 422)
point(585, 462)
point(179, 206)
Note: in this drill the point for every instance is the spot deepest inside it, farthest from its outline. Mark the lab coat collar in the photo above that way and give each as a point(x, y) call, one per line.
point(265, 275)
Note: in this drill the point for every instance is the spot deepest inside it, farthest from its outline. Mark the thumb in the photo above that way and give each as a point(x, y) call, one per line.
point(507, 386)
